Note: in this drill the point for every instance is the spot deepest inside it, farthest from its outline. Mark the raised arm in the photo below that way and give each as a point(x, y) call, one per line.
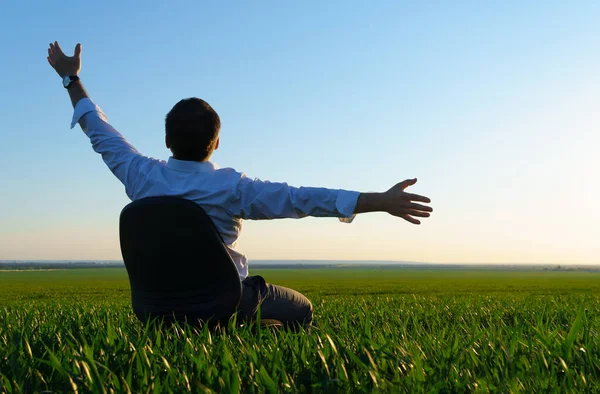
point(122, 159)
point(68, 67)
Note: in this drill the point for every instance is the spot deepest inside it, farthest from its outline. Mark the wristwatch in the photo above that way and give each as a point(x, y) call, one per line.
point(69, 79)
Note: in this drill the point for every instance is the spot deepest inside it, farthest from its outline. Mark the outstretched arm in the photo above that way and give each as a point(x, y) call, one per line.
point(260, 200)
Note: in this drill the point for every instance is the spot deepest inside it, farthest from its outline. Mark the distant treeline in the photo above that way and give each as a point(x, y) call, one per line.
point(12, 266)
point(45, 265)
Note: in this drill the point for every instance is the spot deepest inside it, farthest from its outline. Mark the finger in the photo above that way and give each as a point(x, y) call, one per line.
point(419, 207)
point(50, 61)
point(410, 219)
point(420, 214)
point(77, 50)
point(407, 183)
point(53, 51)
point(416, 197)
point(58, 49)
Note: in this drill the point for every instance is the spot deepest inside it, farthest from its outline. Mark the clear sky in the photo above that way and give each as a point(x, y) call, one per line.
point(493, 106)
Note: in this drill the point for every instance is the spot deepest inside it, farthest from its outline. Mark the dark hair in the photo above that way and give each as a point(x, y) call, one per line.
point(192, 128)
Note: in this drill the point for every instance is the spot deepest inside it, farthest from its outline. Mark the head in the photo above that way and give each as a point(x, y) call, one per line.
point(192, 130)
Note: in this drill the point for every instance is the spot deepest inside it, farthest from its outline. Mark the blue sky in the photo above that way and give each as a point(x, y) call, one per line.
point(492, 105)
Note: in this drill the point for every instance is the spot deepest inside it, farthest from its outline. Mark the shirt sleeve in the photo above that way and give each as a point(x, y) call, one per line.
point(122, 159)
point(259, 200)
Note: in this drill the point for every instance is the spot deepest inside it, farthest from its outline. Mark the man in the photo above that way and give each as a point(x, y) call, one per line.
point(192, 134)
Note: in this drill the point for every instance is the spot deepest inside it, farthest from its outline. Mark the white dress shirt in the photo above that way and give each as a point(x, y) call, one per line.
point(226, 195)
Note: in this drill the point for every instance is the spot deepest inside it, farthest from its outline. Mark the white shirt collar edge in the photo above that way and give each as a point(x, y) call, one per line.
point(190, 166)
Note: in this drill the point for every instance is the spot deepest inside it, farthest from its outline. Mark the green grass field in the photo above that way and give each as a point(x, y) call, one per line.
point(390, 330)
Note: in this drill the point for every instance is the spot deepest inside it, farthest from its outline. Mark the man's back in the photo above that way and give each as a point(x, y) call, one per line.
point(202, 183)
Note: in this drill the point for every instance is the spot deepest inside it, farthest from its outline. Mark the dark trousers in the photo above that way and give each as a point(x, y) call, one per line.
point(275, 302)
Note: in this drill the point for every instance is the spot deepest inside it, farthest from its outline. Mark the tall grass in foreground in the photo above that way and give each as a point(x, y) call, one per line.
point(508, 342)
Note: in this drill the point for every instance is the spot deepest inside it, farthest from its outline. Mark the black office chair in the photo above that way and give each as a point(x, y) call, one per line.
point(179, 269)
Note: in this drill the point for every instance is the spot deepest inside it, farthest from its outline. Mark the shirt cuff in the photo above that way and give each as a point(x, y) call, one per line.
point(346, 204)
point(84, 106)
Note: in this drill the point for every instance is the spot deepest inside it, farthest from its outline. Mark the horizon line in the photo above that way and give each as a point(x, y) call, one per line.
point(316, 260)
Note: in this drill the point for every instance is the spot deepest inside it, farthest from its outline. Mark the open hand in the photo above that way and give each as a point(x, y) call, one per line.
point(64, 65)
point(399, 203)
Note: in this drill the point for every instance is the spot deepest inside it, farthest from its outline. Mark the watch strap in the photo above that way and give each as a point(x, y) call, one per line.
point(69, 79)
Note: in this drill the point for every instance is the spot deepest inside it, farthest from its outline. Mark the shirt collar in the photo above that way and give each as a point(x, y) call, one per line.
point(190, 166)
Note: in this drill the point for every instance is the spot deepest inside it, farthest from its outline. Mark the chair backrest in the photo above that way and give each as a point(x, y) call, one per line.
point(178, 266)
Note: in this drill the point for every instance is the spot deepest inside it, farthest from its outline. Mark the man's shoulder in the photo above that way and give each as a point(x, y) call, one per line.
point(224, 170)
point(228, 172)
point(148, 162)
